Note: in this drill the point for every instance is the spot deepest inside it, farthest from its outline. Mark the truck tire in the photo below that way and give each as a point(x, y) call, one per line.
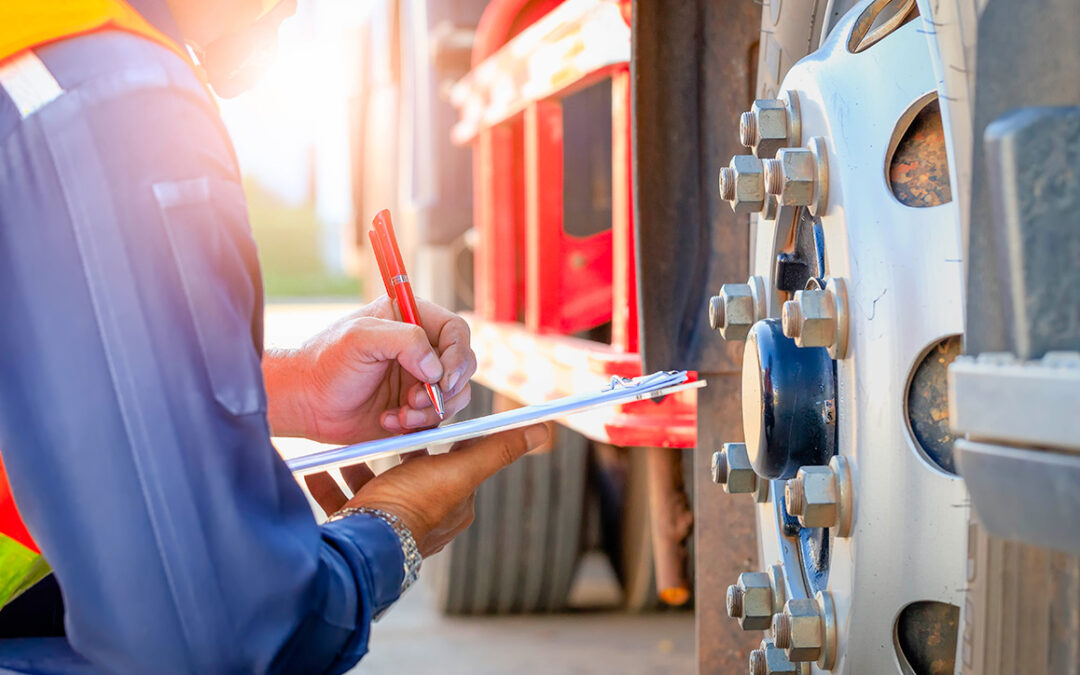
point(521, 551)
point(1022, 613)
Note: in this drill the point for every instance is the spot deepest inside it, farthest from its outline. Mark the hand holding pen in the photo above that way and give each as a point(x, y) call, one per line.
point(398, 286)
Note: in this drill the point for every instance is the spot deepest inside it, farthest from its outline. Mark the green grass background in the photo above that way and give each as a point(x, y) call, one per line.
point(288, 241)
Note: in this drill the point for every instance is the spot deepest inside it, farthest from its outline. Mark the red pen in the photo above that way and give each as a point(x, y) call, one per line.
point(396, 281)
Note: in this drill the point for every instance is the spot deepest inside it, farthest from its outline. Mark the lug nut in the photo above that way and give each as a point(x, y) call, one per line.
point(752, 601)
point(799, 630)
point(806, 630)
point(799, 176)
point(818, 318)
point(732, 469)
point(771, 124)
point(742, 184)
point(821, 496)
point(735, 309)
point(768, 659)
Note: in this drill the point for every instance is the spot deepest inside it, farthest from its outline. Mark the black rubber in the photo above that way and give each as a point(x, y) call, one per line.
point(1022, 613)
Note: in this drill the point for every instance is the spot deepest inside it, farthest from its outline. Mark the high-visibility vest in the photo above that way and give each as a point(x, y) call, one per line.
point(25, 25)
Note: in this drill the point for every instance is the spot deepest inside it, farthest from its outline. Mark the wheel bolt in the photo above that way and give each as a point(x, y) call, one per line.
point(799, 176)
point(735, 602)
point(748, 128)
point(821, 496)
point(758, 664)
point(781, 630)
point(742, 184)
point(771, 124)
point(727, 183)
point(719, 467)
point(736, 307)
point(818, 317)
point(795, 496)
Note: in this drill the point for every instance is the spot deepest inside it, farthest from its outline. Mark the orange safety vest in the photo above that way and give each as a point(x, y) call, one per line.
point(25, 25)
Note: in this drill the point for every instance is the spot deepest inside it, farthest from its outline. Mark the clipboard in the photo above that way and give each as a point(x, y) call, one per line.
point(619, 390)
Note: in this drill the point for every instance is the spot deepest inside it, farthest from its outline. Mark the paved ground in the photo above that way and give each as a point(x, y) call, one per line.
point(415, 638)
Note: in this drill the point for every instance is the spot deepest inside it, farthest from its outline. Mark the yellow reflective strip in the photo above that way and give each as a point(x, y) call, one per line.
point(20, 568)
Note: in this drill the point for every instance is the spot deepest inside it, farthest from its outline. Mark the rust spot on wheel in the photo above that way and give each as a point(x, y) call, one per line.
point(919, 166)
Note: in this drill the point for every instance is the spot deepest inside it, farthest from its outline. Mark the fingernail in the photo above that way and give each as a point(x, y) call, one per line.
point(452, 380)
point(414, 418)
point(390, 421)
point(431, 367)
point(535, 436)
point(420, 399)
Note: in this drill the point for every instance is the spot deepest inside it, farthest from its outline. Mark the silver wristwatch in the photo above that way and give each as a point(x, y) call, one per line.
point(409, 551)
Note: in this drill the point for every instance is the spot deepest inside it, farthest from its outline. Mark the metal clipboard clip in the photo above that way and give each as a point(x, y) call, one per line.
point(618, 382)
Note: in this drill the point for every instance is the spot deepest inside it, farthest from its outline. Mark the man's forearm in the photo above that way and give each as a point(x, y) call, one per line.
point(286, 412)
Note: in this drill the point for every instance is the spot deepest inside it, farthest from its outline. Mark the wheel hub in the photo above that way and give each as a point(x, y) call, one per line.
point(881, 286)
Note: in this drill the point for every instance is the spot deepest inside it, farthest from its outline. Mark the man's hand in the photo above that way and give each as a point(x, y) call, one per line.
point(362, 378)
point(431, 494)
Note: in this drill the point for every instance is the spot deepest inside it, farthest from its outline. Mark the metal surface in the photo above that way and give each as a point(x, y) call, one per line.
point(1024, 495)
point(877, 21)
point(1026, 54)
point(771, 124)
point(731, 468)
point(785, 391)
point(818, 317)
point(692, 77)
point(724, 543)
point(1031, 156)
point(735, 309)
point(687, 94)
point(800, 176)
point(821, 496)
point(1031, 403)
point(576, 40)
point(899, 262)
point(768, 659)
point(752, 601)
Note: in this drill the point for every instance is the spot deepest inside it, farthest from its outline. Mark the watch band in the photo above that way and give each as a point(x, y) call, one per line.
point(409, 550)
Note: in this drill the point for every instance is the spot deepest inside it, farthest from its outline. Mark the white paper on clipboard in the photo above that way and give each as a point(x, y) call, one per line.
point(620, 390)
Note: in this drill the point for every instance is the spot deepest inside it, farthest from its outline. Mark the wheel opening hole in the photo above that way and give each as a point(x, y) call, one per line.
point(928, 404)
point(917, 166)
point(878, 20)
point(925, 637)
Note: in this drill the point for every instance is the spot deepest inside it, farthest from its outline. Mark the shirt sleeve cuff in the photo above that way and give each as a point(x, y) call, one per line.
point(373, 549)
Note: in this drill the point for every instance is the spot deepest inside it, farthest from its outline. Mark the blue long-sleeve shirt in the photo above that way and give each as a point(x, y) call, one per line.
point(132, 409)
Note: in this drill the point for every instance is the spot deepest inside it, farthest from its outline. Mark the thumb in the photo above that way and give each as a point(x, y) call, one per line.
point(482, 458)
point(382, 340)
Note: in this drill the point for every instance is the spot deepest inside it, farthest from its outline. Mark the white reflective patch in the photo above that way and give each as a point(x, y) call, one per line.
point(29, 83)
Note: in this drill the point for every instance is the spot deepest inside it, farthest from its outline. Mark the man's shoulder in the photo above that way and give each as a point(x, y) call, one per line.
point(118, 61)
